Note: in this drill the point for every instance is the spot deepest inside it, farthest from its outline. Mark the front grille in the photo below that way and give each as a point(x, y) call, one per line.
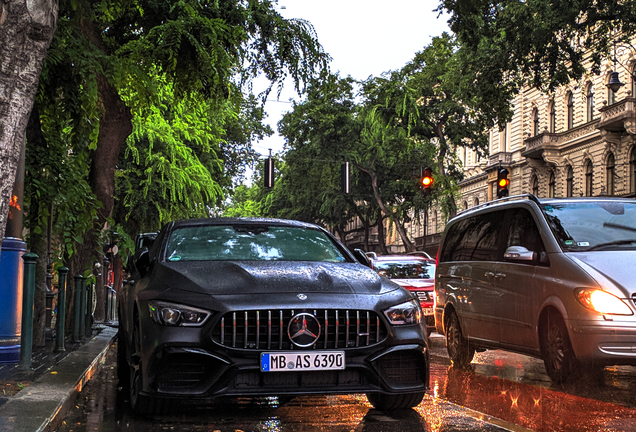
point(267, 329)
point(401, 367)
point(295, 380)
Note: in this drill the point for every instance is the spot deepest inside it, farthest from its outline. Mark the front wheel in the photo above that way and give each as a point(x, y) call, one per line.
point(558, 356)
point(387, 402)
point(459, 350)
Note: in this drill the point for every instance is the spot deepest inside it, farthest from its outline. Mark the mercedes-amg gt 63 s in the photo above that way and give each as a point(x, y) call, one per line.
point(264, 307)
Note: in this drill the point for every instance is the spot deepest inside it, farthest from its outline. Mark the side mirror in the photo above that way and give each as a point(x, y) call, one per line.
point(142, 261)
point(361, 257)
point(519, 253)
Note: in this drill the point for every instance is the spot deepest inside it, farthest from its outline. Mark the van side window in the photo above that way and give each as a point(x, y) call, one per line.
point(523, 231)
point(474, 239)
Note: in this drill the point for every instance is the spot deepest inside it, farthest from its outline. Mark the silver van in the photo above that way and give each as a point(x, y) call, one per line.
point(551, 278)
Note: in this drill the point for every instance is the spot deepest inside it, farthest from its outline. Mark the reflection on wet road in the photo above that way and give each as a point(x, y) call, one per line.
point(499, 392)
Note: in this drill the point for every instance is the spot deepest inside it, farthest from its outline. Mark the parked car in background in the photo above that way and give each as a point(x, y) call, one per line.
point(413, 273)
point(551, 278)
point(264, 307)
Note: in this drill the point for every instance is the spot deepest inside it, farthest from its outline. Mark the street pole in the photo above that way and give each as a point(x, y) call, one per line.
point(61, 310)
point(26, 340)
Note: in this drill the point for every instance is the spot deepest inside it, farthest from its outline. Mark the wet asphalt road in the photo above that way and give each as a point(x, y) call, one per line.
point(501, 391)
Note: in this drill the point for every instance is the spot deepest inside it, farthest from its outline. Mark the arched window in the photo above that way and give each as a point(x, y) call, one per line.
point(476, 202)
point(632, 170)
point(590, 102)
point(552, 121)
point(535, 185)
point(589, 178)
point(552, 185)
point(535, 121)
point(633, 80)
point(611, 95)
point(609, 171)
point(569, 182)
point(465, 205)
point(570, 113)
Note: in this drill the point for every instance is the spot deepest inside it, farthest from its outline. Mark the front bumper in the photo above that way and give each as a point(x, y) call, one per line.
point(608, 342)
point(187, 363)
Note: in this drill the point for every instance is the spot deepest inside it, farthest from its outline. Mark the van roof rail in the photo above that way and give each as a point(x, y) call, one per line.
point(530, 197)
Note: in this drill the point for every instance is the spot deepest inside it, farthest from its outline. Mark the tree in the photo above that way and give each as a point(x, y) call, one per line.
point(26, 30)
point(541, 42)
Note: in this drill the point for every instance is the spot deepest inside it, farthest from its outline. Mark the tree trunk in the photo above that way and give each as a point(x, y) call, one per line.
point(408, 244)
point(452, 205)
point(26, 31)
point(383, 249)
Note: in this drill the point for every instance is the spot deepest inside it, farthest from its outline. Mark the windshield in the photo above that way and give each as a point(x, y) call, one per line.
point(250, 242)
point(405, 270)
point(593, 225)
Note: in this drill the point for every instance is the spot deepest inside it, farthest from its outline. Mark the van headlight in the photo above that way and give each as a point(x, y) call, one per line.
point(602, 302)
point(409, 312)
point(172, 314)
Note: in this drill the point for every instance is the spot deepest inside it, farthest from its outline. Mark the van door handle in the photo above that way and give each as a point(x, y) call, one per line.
point(489, 274)
point(500, 275)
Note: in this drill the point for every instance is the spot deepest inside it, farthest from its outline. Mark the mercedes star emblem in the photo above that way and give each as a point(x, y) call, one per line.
point(301, 297)
point(303, 330)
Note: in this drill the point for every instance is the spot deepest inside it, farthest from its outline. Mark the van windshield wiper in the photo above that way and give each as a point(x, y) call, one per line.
point(612, 243)
point(619, 226)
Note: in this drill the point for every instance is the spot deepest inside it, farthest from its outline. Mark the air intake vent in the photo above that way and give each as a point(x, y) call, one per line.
point(267, 329)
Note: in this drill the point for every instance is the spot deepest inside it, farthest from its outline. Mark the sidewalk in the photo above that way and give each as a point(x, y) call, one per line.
point(47, 391)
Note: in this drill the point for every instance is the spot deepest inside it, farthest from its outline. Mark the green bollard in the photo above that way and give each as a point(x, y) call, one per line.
point(89, 311)
point(77, 308)
point(82, 330)
point(28, 295)
point(61, 310)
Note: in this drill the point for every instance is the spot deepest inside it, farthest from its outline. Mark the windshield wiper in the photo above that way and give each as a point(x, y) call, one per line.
point(619, 226)
point(612, 243)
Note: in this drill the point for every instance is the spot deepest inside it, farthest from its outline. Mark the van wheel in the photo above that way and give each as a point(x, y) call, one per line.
point(558, 356)
point(459, 350)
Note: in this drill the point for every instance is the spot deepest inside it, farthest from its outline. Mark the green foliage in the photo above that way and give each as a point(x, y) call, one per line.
point(244, 203)
point(541, 41)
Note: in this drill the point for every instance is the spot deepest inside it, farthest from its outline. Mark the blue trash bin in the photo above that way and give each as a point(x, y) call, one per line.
point(11, 279)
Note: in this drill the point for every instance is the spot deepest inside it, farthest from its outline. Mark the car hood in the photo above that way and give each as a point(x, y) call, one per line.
point(615, 266)
point(259, 277)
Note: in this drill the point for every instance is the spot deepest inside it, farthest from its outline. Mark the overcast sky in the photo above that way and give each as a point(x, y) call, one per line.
point(364, 38)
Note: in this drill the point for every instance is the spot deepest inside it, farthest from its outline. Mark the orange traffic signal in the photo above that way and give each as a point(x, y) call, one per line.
point(427, 180)
point(502, 183)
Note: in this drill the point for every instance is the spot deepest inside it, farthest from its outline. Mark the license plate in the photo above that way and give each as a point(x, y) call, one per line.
point(427, 311)
point(302, 361)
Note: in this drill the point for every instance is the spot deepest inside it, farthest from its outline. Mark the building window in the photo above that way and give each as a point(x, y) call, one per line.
point(570, 112)
point(611, 95)
point(465, 205)
point(552, 121)
point(552, 186)
point(535, 186)
point(633, 80)
point(434, 222)
point(535, 122)
point(502, 139)
point(590, 102)
point(632, 170)
point(589, 178)
point(569, 182)
point(610, 174)
point(476, 202)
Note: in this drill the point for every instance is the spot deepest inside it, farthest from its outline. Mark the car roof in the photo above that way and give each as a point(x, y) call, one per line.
point(242, 221)
point(402, 258)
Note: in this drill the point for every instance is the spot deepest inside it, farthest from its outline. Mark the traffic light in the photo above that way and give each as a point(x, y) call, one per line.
point(502, 183)
point(269, 173)
point(427, 180)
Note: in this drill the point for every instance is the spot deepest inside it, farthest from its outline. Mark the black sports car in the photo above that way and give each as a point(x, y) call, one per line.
point(264, 307)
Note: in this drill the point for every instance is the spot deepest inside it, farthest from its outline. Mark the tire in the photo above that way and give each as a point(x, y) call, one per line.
point(139, 402)
point(558, 357)
point(386, 402)
point(123, 371)
point(459, 350)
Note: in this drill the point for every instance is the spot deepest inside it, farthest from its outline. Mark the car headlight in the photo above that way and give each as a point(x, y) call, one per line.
point(602, 302)
point(171, 314)
point(408, 312)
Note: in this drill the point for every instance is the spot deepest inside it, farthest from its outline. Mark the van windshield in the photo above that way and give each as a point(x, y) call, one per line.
point(593, 225)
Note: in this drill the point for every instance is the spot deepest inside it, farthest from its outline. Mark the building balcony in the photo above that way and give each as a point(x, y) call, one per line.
point(498, 159)
point(536, 145)
point(619, 117)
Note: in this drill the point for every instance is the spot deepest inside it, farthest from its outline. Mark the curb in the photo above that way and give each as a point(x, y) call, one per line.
point(42, 405)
